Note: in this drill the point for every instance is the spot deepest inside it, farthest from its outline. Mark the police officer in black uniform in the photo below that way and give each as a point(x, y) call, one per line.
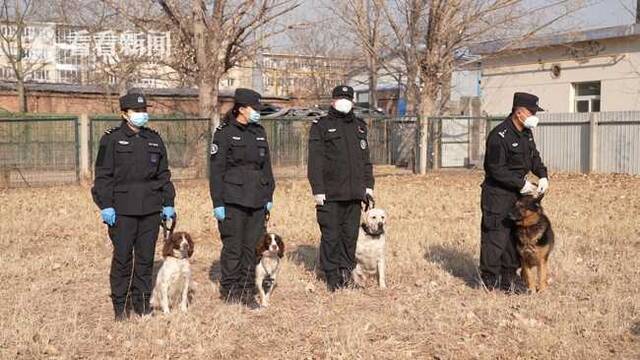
point(341, 177)
point(132, 188)
point(242, 185)
point(510, 155)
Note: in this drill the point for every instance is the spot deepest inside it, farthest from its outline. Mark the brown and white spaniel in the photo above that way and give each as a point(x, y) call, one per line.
point(269, 251)
point(174, 276)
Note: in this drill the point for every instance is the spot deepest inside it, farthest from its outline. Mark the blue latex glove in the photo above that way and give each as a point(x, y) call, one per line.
point(219, 213)
point(269, 206)
point(108, 216)
point(168, 212)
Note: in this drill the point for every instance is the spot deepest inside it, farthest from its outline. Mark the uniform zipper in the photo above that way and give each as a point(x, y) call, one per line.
point(348, 156)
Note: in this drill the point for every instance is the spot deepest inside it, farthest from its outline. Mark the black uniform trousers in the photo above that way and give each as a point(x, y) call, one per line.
point(498, 252)
point(240, 231)
point(339, 224)
point(134, 243)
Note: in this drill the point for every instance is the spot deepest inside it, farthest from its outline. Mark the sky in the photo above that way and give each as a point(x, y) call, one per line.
point(591, 14)
point(601, 13)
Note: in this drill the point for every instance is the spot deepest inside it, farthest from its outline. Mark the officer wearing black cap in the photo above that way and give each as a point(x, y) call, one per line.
point(242, 185)
point(510, 155)
point(341, 177)
point(132, 188)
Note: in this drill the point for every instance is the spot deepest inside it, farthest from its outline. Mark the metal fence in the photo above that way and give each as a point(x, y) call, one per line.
point(38, 150)
point(186, 140)
point(605, 142)
point(391, 142)
point(49, 150)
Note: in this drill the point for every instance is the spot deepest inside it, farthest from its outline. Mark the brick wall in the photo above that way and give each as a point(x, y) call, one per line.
point(93, 103)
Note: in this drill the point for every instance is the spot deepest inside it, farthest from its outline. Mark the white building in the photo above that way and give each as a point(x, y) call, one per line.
point(58, 53)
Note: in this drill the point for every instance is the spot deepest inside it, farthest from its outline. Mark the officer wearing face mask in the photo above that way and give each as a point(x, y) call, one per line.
point(510, 155)
point(133, 190)
point(341, 177)
point(242, 185)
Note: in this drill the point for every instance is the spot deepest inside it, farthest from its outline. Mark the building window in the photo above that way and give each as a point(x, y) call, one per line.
point(69, 76)
point(66, 57)
point(38, 75)
point(586, 97)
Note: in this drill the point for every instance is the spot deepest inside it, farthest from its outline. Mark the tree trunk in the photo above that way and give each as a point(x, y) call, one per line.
point(427, 107)
point(412, 95)
point(22, 95)
point(373, 82)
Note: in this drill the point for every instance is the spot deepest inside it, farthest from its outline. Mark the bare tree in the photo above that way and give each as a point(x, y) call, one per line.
point(210, 37)
point(364, 20)
point(328, 61)
point(16, 38)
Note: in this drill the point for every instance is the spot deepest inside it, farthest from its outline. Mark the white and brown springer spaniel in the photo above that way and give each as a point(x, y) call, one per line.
point(269, 251)
point(174, 276)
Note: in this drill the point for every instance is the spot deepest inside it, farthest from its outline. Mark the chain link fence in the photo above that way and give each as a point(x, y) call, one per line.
point(391, 142)
point(58, 150)
point(185, 138)
point(38, 150)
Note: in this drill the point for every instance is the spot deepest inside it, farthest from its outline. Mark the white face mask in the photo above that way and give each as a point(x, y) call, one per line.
point(531, 122)
point(343, 105)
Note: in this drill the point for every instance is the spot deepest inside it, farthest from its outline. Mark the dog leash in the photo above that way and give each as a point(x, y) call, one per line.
point(167, 231)
point(369, 203)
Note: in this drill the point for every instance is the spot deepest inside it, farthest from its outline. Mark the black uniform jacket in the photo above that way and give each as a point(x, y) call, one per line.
point(132, 172)
point(339, 162)
point(510, 156)
point(240, 165)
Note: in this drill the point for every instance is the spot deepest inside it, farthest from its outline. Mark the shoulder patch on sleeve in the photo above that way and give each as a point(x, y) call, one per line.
point(222, 125)
point(109, 131)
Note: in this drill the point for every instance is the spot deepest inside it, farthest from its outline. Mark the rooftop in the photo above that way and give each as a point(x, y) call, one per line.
point(99, 89)
point(503, 45)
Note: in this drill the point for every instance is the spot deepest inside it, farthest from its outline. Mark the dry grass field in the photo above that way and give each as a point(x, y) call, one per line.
point(55, 294)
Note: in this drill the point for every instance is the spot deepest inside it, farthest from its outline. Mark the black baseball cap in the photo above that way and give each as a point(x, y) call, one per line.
point(248, 97)
point(526, 100)
point(133, 101)
point(342, 92)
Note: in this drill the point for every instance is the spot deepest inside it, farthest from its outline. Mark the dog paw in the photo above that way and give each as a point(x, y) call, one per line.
point(183, 307)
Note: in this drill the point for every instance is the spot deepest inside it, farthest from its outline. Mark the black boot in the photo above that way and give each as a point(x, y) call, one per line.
point(231, 295)
point(511, 284)
point(334, 281)
point(120, 311)
point(490, 281)
point(346, 280)
point(141, 304)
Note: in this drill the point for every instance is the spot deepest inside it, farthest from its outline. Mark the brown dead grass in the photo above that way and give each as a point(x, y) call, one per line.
point(55, 304)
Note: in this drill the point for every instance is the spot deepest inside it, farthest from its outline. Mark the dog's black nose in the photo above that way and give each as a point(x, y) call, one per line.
point(380, 224)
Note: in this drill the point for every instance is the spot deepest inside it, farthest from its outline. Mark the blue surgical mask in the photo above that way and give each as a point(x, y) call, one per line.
point(254, 117)
point(139, 119)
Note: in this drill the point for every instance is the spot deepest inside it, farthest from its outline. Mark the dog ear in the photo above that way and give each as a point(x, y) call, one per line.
point(190, 242)
point(262, 247)
point(280, 246)
point(167, 248)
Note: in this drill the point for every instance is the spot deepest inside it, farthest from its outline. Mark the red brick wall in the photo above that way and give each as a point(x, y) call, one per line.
point(73, 103)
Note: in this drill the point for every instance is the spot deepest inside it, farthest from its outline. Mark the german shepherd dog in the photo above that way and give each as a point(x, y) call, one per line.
point(535, 240)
